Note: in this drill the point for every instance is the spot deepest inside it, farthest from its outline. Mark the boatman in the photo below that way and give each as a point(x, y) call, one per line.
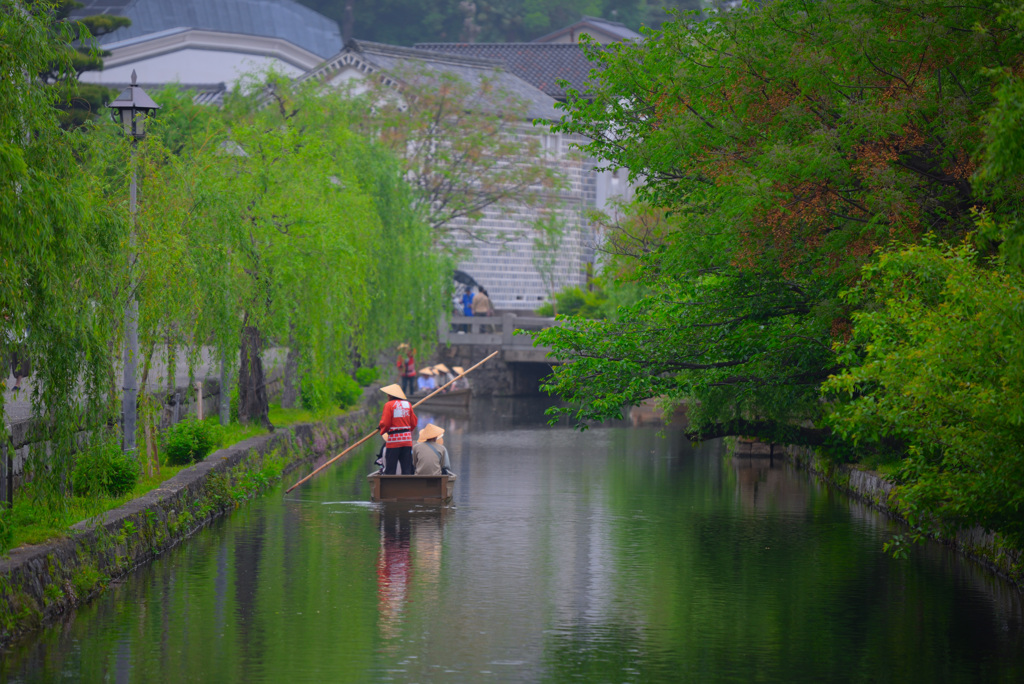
point(396, 425)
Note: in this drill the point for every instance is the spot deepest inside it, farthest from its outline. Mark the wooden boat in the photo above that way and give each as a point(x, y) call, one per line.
point(412, 488)
point(457, 398)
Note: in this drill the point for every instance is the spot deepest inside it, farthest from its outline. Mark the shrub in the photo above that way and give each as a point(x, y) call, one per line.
point(190, 440)
point(312, 394)
point(348, 392)
point(367, 375)
point(317, 395)
point(103, 469)
point(574, 301)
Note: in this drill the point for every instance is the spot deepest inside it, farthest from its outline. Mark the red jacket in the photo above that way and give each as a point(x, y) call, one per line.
point(397, 422)
point(406, 366)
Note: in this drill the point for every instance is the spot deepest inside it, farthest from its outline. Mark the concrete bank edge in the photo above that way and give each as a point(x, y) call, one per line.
point(873, 489)
point(41, 583)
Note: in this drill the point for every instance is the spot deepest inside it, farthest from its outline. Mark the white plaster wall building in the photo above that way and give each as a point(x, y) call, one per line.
point(208, 44)
point(505, 264)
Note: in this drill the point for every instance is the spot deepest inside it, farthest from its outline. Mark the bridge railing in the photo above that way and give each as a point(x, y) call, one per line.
point(493, 331)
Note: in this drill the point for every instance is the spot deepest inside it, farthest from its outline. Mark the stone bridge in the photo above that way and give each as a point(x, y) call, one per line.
point(520, 367)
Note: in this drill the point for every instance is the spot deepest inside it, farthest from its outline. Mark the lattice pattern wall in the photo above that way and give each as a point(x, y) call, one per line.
point(505, 265)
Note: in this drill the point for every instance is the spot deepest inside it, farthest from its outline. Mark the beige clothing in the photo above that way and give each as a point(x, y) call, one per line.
point(425, 461)
point(481, 305)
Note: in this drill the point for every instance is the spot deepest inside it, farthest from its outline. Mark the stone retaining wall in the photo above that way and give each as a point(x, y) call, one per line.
point(876, 491)
point(495, 378)
point(40, 583)
point(175, 406)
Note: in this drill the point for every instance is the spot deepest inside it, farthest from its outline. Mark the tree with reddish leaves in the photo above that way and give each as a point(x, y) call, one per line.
point(787, 142)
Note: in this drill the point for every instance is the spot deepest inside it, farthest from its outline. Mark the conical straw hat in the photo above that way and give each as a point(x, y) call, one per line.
point(394, 391)
point(427, 371)
point(430, 432)
point(458, 370)
point(441, 367)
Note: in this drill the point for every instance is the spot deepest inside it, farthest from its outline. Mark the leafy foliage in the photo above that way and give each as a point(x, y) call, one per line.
point(1000, 176)
point(319, 393)
point(574, 301)
point(190, 440)
point(61, 265)
point(84, 55)
point(104, 470)
point(465, 146)
point(786, 141)
point(935, 365)
point(367, 375)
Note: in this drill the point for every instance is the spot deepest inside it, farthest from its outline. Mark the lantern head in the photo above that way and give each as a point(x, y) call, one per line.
point(131, 108)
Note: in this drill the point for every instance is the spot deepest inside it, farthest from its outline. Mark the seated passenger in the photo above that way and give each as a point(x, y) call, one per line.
point(460, 383)
point(426, 380)
point(442, 376)
point(429, 457)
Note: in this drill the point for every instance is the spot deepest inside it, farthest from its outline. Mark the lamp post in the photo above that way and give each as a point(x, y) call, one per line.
point(130, 110)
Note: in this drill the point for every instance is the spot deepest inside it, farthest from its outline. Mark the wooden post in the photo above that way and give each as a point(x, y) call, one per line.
point(156, 452)
point(3, 474)
point(9, 460)
point(199, 399)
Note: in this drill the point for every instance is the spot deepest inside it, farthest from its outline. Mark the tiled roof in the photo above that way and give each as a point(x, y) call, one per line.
point(606, 26)
point(393, 59)
point(284, 19)
point(202, 93)
point(540, 64)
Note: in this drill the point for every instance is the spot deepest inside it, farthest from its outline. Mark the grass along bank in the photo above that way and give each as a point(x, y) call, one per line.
point(31, 522)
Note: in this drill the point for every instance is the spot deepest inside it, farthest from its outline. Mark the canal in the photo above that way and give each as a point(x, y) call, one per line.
point(612, 555)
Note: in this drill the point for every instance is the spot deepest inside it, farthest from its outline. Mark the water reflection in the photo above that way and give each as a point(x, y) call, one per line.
point(625, 555)
point(411, 541)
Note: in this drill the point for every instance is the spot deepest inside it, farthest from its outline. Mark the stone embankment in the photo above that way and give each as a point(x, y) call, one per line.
point(39, 584)
point(873, 489)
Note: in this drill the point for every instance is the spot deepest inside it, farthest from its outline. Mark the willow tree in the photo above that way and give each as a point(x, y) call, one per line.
point(60, 253)
point(286, 215)
point(467, 147)
point(788, 140)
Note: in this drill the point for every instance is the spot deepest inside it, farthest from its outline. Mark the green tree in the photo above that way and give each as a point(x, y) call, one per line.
point(84, 55)
point(60, 250)
point(788, 141)
point(466, 147)
point(292, 230)
point(935, 369)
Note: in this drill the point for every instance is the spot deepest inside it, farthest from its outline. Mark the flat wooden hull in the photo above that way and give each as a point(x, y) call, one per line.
point(412, 488)
point(457, 398)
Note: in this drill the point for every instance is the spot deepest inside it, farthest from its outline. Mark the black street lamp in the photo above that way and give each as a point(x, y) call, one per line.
point(130, 110)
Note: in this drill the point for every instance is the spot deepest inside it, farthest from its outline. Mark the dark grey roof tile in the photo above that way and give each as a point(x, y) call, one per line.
point(540, 64)
point(284, 19)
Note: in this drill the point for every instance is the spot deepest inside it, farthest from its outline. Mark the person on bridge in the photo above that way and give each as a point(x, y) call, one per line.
point(429, 455)
point(482, 307)
point(397, 422)
point(406, 365)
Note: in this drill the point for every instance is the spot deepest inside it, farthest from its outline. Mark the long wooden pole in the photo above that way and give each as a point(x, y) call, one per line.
point(375, 432)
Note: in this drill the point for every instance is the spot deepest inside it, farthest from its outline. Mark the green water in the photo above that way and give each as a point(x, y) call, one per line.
point(613, 555)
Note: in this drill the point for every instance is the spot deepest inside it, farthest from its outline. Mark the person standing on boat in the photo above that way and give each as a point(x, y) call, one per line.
point(396, 425)
point(429, 455)
point(407, 368)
